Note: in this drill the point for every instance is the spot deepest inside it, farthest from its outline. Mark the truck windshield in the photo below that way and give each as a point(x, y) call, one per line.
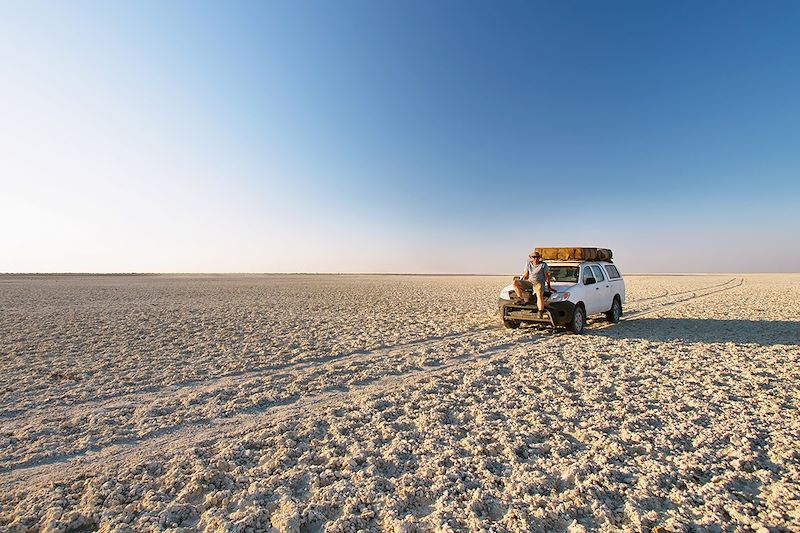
point(564, 273)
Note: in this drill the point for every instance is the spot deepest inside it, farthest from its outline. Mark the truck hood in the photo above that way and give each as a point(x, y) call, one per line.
point(508, 291)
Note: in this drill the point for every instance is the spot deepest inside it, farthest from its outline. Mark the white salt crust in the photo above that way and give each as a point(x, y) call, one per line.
point(394, 403)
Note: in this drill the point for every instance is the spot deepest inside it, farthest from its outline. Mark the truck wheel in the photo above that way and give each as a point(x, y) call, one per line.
point(578, 320)
point(511, 324)
point(613, 314)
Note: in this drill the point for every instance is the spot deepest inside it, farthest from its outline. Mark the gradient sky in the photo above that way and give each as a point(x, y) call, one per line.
point(415, 136)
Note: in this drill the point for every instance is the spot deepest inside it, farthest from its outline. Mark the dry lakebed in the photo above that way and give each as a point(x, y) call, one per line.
point(305, 403)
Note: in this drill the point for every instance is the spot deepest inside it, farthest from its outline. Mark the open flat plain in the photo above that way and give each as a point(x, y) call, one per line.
point(394, 403)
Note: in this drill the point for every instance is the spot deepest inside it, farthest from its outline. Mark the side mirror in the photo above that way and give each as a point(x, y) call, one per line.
point(589, 281)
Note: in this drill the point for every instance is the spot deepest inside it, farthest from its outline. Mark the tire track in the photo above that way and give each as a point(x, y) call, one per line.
point(730, 284)
point(156, 392)
point(667, 293)
point(196, 405)
point(164, 441)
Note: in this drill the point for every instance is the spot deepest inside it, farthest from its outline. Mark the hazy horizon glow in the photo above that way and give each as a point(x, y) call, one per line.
point(397, 137)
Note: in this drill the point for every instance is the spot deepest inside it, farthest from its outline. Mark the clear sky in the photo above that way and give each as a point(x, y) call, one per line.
point(413, 136)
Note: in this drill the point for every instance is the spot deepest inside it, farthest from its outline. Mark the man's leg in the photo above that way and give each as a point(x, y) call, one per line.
point(539, 289)
point(519, 288)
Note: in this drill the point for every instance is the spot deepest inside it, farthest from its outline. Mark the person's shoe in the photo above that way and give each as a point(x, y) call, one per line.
point(541, 314)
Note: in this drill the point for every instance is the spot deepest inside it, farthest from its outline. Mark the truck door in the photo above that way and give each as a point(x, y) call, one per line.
point(591, 296)
point(603, 289)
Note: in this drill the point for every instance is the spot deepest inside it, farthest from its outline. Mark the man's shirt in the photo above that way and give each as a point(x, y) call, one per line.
point(536, 272)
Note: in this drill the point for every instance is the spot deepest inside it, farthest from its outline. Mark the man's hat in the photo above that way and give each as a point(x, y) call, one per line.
point(535, 254)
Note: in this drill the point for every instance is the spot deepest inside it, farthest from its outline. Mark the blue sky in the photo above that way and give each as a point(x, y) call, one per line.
point(398, 137)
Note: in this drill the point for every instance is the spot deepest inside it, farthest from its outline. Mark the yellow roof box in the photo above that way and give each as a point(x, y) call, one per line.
point(575, 254)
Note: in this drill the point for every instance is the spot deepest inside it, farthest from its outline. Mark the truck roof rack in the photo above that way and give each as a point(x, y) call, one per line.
point(580, 253)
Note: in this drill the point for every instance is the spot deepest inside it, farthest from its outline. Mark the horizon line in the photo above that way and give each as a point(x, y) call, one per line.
point(349, 273)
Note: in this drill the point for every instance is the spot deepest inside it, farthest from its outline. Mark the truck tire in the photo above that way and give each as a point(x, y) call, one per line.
point(578, 320)
point(511, 324)
point(613, 314)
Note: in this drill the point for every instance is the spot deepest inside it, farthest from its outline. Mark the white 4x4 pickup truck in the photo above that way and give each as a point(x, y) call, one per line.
point(580, 289)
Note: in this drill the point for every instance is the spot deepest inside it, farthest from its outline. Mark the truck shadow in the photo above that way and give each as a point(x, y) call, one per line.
point(762, 332)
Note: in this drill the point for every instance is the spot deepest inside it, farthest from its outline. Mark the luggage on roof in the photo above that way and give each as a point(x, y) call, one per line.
point(576, 254)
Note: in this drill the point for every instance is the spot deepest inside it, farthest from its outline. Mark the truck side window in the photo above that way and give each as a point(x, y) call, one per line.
point(613, 273)
point(598, 273)
point(587, 273)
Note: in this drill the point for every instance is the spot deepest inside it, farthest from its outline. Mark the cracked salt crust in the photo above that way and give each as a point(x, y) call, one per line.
point(391, 403)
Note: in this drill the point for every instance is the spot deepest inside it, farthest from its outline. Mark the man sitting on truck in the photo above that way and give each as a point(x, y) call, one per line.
point(536, 275)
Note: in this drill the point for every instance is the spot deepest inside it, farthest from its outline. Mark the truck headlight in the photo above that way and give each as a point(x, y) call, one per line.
point(559, 297)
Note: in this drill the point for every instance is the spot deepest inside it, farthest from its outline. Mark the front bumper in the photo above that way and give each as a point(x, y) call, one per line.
point(557, 314)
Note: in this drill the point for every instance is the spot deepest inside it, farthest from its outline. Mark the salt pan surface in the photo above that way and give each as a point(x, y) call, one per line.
point(394, 403)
